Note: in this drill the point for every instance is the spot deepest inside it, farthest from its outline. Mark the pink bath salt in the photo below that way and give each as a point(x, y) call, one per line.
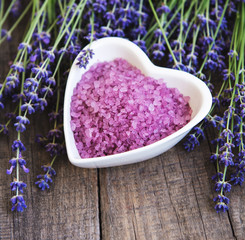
point(115, 108)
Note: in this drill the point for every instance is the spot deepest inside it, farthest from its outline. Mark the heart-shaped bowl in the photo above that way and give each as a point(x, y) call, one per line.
point(108, 49)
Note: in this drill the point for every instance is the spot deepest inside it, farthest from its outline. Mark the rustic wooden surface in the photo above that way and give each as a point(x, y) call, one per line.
point(168, 197)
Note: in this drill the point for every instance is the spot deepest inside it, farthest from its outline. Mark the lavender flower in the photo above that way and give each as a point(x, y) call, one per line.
point(12, 81)
point(25, 46)
point(20, 161)
point(40, 71)
point(44, 180)
point(28, 107)
point(17, 185)
point(18, 203)
point(4, 129)
point(18, 67)
point(4, 33)
point(84, 58)
point(17, 144)
point(42, 37)
point(221, 203)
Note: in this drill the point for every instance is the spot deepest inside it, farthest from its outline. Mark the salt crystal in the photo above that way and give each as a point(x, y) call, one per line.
point(96, 84)
point(151, 107)
point(115, 108)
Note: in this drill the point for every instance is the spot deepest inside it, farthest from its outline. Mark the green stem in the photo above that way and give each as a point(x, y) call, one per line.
point(2, 20)
point(215, 35)
point(163, 33)
point(17, 22)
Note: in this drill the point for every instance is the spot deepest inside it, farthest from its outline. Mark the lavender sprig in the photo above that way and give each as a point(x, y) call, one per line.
point(231, 135)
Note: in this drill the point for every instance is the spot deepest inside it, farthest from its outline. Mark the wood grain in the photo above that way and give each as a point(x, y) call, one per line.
point(69, 209)
point(165, 198)
point(169, 197)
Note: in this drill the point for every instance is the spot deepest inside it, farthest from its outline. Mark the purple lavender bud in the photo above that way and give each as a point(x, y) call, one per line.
point(47, 178)
point(221, 198)
point(16, 8)
point(27, 107)
point(17, 144)
point(141, 44)
point(32, 96)
point(218, 186)
point(163, 9)
point(221, 207)
point(62, 51)
point(54, 133)
point(4, 33)
point(21, 161)
point(123, 22)
point(25, 46)
point(3, 129)
point(110, 16)
point(46, 90)
point(233, 53)
point(31, 82)
point(20, 127)
point(42, 103)
point(33, 57)
point(105, 31)
point(49, 169)
point(199, 132)
point(17, 97)
point(139, 31)
point(84, 57)
point(26, 170)
point(18, 203)
point(214, 157)
point(191, 142)
point(18, 67)
point(115, 2)
point(157, 54)
point(237, 178)
point(118, 32)
point(227, 133)
point(23, 119)
point(42, 184)
point(12, 81)
point(217, 177)
point(180, 66)
point(51, 81)
point(9, 171)
point(201, 19)
point(210, 65)
point(142, 15)
point(226, 159)
point(74, 49)
point(99, 6)
point(54, 148)
point(227, 74)
point(50, 55)
point(40, 72)
point(53, 116)
point(42, 37)
point(17, 185)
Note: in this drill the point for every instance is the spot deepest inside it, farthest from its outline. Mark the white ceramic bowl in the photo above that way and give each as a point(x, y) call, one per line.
point(107, 49)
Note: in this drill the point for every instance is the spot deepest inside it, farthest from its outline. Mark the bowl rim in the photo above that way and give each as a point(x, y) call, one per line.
point(201, 113)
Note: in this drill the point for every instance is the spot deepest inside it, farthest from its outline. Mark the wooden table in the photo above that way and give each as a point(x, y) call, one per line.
point(168, 197)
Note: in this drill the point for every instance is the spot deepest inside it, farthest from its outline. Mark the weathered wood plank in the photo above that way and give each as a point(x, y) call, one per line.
point(169, 197)
point(69, 210)
point(237, 211)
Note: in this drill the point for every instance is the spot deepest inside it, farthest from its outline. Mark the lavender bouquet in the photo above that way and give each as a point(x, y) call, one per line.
point(204, 38)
